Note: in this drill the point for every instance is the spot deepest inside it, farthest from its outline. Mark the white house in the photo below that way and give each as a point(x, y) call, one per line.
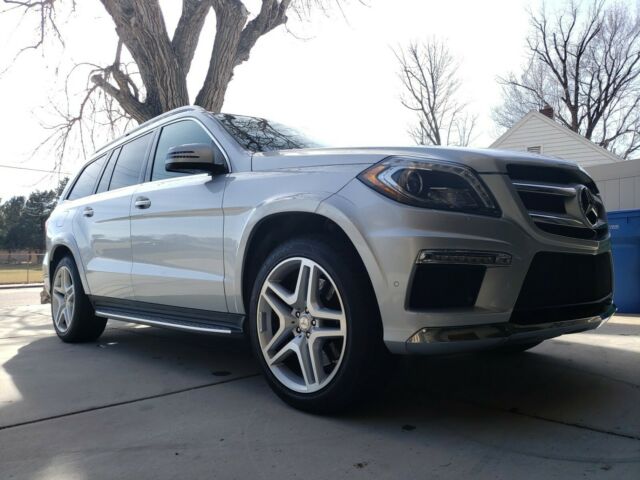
point(619, 184)
point(536, 132)
point(618, 180)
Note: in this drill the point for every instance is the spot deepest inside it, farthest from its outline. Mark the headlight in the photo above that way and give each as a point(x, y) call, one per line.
point(431, 184)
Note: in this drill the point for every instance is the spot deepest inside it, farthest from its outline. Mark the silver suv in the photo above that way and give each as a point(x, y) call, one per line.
point(326, 258)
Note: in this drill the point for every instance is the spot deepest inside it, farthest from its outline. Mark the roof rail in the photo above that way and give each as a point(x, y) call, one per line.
point(175, 111)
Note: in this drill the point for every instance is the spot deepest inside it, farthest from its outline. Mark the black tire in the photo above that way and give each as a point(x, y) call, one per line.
point(514, 348)
point(84, 326)
point(364, 351)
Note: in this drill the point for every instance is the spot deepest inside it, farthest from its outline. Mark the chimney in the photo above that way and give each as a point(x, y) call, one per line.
point(547, 111)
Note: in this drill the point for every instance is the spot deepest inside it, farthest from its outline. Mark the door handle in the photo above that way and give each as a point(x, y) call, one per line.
point(87, 212)
point(142, 202)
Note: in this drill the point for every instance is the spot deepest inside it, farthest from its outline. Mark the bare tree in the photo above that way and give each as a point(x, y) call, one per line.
point(148, 75)
point(429, 75)
point(584, 60)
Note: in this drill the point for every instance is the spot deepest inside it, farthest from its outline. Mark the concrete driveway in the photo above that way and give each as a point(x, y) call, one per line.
point(149, 403)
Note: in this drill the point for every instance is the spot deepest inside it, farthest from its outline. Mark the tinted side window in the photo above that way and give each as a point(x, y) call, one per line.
point(172, 135)
point(130, 162)
point(87, 179)
point(103, 186)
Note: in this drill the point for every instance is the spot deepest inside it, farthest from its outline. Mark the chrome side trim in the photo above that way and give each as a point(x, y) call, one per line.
point(545, 188)
point(160, 323)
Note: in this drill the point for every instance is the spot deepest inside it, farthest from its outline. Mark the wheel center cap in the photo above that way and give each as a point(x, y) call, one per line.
point(305, 322)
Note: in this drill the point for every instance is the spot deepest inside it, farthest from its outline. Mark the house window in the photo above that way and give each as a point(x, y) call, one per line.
point(535, 149)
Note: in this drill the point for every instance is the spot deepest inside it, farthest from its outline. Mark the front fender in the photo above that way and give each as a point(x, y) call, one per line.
point(239, 228)
point(251, 197)
point(345, 214)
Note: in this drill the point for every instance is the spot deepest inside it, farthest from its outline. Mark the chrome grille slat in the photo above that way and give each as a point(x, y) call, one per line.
point(546, 188)
point(555, 219)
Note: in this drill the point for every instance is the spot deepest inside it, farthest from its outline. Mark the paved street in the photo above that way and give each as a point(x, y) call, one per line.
point(17, 297)
point(149, 403)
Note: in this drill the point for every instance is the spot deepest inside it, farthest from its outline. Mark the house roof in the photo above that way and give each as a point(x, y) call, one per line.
point(557, 126)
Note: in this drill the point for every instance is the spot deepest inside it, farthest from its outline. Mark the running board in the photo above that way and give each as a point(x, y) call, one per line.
point(189, 320)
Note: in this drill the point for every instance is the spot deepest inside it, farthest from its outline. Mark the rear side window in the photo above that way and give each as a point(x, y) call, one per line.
point(130, 162)
point(178, 133)
point(87, 179)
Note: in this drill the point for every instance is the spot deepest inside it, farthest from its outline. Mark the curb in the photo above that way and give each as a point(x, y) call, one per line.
point(21, 285)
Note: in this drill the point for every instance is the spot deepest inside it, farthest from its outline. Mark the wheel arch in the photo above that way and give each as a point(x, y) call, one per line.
point(274, 228)
point(60, 250)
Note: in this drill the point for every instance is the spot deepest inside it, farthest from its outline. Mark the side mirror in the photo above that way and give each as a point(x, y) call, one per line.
point(195, 157)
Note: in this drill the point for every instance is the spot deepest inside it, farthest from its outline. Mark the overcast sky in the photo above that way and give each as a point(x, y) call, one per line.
point(340, 84)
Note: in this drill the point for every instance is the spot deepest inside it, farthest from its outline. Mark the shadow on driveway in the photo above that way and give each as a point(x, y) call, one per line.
point(159, 393)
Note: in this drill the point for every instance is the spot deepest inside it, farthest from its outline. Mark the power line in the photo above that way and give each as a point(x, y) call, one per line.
point(33, 169)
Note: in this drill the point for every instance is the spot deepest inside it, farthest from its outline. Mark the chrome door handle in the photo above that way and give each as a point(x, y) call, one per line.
point(87, 212)
point(142, 202)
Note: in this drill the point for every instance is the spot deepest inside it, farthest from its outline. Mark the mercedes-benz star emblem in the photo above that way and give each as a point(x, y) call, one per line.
point(589, 206)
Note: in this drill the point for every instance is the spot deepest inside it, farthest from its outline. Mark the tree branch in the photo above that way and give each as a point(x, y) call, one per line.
point(272, 13)
point(141, 26)
point(187, 33)
point(231, 16)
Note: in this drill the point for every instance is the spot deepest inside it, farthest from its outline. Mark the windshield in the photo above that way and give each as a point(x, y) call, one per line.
point(261, 135)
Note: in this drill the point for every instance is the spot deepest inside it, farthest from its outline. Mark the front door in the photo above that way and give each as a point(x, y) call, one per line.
point(176, 231)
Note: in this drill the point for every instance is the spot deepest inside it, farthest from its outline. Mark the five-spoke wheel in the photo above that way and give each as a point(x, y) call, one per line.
point(73, 316)
point(63, 299)
point(302, 326)
point(314, 324)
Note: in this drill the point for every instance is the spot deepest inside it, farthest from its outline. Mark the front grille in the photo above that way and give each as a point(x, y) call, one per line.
point(437, 286)
point(563, 286)
point(560, 200)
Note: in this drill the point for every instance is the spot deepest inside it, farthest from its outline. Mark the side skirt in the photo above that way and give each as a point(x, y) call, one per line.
point(178, 318)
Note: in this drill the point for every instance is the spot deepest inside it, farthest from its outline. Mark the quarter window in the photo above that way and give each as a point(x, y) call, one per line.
point(172, 135)
point(87, 179)
point(103, 185)
point(130, 162)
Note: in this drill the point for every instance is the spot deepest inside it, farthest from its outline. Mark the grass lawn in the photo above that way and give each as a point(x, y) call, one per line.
point(20, 274)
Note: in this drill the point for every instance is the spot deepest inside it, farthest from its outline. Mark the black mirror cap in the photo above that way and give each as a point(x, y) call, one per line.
point(195, 157)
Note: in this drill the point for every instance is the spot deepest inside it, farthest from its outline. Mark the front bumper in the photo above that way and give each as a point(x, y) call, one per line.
point(390, 236)
point(441, 340)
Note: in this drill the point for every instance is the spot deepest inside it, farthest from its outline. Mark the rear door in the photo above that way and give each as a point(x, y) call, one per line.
point(176, 230)
point(102, 226)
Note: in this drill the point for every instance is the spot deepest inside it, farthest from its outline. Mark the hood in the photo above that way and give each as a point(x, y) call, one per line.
point(481, 160)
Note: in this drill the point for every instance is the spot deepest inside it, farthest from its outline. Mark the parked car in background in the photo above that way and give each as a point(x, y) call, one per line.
point(326, 258)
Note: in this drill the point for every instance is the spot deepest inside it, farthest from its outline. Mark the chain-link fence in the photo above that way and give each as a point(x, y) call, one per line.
point(20, 267)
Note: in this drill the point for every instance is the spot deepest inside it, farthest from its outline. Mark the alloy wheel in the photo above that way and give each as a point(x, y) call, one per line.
point(302, 325)
point(63, 299)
